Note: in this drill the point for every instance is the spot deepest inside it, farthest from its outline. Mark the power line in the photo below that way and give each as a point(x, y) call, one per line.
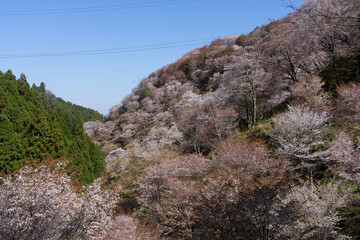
point(96, 9)
point(201, 41)
point(97, 98)
point(98, 52)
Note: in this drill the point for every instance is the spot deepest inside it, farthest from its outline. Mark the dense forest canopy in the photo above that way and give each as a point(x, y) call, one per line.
point(33, 128)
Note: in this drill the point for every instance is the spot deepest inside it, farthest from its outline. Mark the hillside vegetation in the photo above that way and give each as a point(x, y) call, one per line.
point(250, 137)
point(32, 129)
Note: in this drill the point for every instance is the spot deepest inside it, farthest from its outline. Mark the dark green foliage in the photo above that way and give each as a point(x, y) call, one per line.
point(32, 129)
point(227, 51)
point(128, 202)
point(143, 91)
point(345, 69)
point(240, 41)
point(186, 67)
point(351, 215)
point(201, 59)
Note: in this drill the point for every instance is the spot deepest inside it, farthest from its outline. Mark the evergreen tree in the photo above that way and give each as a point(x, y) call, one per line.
point(31, 128)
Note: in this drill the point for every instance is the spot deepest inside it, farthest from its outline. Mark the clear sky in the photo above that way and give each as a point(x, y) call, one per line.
point(99, 81)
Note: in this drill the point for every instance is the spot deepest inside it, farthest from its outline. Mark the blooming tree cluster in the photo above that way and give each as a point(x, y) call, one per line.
point(239, 189)
point(204, 125)
point(41, 203)
point(298, 133)
point(240, 199)
point(318, 215)
point(346, 157)
point(251, 157)
point(166, 191)
point(125, 227)
point(333, 25)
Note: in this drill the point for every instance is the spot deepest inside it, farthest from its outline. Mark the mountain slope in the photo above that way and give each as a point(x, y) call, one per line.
point(231, 83)
point(250, 137)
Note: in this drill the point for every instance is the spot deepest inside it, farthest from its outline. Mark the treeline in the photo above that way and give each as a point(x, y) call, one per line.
point(86, 114)
point(31, 129)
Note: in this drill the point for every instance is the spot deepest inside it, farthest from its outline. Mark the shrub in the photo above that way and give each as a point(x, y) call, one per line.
point(241, 40)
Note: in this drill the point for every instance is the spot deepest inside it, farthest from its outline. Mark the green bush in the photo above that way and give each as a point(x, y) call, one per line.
point(345, 69)
point(227, 51)
point(240, 41)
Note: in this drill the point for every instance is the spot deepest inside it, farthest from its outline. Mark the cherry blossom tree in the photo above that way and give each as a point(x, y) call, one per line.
point(334, 23)
point(161, 137)
point(246, 75)
point(166, 192)
point(287, 52)
point(298, 133)
point(241, 199)
point(125, 227)
point(346, 157)
point(204, 125)
point(247, 156)
point(41, 203)
point(318, 214)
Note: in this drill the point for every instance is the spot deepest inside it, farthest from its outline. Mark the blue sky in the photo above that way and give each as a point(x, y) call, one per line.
point(101, 81)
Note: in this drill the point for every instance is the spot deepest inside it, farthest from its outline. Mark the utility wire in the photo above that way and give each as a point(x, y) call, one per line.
point(96, 98)
point(96, 9)
point(98, 52)
point(201, 41)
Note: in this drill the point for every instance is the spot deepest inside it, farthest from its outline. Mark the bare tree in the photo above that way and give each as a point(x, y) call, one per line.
point(348, 103)
point(308, 91)
point(246, 75)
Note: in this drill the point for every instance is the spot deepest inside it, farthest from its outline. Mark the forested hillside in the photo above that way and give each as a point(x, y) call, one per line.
point(253, 136)
point(250, 137)
point(33, 129)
